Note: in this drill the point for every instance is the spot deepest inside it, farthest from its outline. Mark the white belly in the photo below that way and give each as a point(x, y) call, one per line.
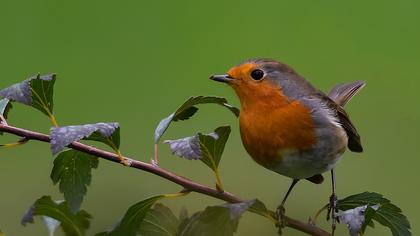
point(304, 165)
point(319, 159)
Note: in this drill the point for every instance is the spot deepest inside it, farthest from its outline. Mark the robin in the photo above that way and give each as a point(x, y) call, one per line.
point(290, 127)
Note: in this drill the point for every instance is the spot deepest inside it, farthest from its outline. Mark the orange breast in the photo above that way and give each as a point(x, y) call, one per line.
point(271, 126)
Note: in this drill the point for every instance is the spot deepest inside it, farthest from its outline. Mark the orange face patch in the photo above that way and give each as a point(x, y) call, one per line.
point(255, 93)
point(242, 71)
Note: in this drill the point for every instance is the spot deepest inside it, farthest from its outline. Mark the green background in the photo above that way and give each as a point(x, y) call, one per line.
point(135, 61)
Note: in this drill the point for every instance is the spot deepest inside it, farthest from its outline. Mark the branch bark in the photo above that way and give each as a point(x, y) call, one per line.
point(156, 170)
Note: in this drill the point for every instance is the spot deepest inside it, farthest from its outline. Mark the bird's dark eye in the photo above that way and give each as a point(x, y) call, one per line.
point(257, 74)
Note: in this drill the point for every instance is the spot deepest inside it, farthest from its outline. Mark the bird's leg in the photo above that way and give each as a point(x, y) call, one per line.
point(332, 208)
point(280, 209)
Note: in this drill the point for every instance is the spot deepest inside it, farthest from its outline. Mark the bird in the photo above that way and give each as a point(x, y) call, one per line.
point(289, 126)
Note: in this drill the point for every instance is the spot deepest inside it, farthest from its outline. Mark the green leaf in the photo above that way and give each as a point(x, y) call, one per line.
point(215, 220)
point(1, 233)
point(72, 169)
point(206, 147)
point(188, 109)
point(388, 214)
point(36, 91)
point(108, 133)
point(212, 221)
point(159, 221)
point(72, 224)
point(213, 145)
point(133, 218)
point(258, 207)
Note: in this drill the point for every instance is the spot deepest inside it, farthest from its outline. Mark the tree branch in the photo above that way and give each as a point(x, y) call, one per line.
point(154, 169)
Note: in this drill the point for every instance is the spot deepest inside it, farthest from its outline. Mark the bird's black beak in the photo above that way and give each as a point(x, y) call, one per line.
point(221, 78)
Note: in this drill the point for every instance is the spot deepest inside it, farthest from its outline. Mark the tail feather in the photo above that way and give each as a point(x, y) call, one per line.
point(342, 93)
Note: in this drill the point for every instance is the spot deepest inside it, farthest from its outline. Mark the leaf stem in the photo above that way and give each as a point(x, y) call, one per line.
point(52, 118)
point(18, 143)
point(175, 195)
point(156, 155)
point(123, 160)
point(219, 185)
point(46, 108)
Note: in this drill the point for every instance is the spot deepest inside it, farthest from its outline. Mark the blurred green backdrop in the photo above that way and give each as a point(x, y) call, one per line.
point(135, 61)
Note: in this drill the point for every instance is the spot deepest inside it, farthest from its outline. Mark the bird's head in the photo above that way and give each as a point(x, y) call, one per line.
point(261, 81)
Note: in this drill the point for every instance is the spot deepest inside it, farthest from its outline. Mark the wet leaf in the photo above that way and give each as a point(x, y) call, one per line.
point(108, 133)
point(357, 217)
point(188, 147)
point(5, 107)
point(388, 214)
point(36, 91)
point(206, 147)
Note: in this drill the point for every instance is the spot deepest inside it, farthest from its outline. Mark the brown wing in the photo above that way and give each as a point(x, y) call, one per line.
point(354, 142)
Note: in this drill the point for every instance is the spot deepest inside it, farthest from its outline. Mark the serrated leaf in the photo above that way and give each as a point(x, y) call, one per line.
point(72, 224)
point(215, 220)
point(159, 221)
point(188, 109)
point(72, 170)
point(133, 218)
point(36, 91)
point(388, 214)
point(188, 147)
point(358, 218)
point(206, 147)
point(108, 133)
point(213, 145)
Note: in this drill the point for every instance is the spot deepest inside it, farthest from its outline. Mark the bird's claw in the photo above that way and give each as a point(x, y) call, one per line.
point(332, 211)
point(280, 212)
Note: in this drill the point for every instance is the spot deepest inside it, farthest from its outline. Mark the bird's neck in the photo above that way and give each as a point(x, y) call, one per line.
point(264, 98)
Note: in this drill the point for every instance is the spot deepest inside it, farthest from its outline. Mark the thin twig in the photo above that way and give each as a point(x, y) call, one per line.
point(187, 184)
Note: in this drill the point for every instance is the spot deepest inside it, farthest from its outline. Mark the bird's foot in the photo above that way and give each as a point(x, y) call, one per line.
point(332, 211)
point(280, 213)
